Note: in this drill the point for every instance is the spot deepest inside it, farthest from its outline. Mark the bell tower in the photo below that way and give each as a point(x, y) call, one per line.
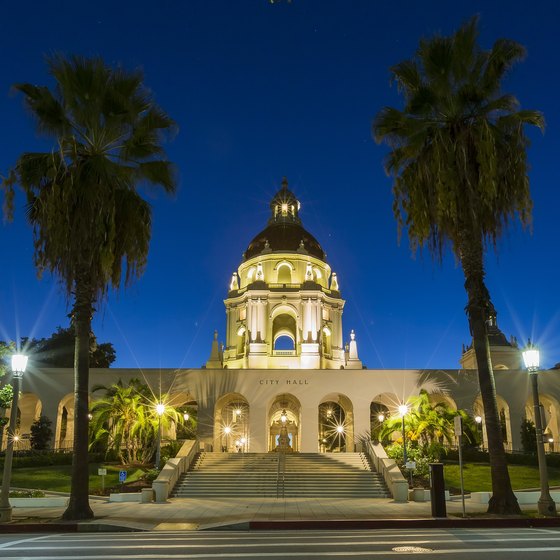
point(284, 307)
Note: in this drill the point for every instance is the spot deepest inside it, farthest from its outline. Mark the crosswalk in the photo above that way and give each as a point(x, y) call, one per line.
point(537, 544)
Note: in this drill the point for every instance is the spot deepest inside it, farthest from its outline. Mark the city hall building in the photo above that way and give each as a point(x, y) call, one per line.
point(289, 375)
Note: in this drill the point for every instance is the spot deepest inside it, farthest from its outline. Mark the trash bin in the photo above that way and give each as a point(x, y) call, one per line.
point(437, 490)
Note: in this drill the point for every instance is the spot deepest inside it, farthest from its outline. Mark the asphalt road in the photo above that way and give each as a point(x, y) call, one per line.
point(510, 544)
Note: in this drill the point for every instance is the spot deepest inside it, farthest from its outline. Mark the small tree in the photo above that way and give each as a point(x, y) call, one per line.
point(41, 434)
point(528, 437)
point(125, 421)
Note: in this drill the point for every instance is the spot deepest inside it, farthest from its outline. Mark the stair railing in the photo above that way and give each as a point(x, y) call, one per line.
point(280, 474)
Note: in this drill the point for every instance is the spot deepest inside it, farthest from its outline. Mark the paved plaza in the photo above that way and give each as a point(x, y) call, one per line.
point(200, 514)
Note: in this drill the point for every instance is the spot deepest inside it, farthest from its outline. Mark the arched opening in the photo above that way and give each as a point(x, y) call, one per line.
point(336, 424)
point(505, 422)
point(284, 419)
point(284, 273)
point(29, 410)
point(231, 424)
point(64, 434)
point(284, 334)
point(550, 421)
point(187, 407)
point(378, 414)
point(326, 341)
point(284, 342)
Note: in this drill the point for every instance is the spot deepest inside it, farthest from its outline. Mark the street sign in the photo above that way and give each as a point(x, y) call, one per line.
point(122, 476)
point(458, 426)
point(102, 472)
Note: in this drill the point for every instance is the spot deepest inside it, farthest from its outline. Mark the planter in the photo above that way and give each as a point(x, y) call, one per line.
point(39, 502)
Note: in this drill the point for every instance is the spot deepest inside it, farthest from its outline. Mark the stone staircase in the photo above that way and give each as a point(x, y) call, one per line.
point(273, 475)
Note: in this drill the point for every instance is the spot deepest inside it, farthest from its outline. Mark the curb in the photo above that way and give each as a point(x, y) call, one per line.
point(65, 528)
point(437, 523)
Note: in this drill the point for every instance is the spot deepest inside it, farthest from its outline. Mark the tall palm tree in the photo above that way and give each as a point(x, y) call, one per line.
point(458, 157)
point(90, 225)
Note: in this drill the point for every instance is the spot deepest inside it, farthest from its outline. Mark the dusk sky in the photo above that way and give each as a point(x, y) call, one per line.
point(260, 91)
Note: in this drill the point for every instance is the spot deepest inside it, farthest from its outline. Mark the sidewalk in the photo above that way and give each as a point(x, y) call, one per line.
point(244, 513)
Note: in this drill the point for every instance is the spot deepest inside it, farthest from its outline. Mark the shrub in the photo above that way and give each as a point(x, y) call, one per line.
point(41, 434)
point(529, 437)
point(151, 475)
point(27, 494)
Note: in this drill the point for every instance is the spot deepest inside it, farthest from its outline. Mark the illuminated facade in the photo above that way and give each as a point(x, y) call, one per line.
point(289, 377)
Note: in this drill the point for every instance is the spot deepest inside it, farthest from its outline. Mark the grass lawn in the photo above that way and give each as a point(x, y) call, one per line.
point(57, 478)
point(477, 476)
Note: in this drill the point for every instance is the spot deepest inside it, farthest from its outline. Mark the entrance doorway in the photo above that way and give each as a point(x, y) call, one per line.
point(284, 422)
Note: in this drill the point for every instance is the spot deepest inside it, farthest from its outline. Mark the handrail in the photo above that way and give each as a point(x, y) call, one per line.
point(396, 482)
point(280, 474)
point(173, 469)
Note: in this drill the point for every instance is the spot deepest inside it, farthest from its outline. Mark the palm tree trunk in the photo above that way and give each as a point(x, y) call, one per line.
point(503, 500)
point(82, 312)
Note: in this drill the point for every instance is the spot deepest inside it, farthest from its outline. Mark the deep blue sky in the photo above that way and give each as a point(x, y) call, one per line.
point(260, 91)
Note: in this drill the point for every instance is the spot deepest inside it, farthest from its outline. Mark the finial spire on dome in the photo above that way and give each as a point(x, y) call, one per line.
point(285, 206)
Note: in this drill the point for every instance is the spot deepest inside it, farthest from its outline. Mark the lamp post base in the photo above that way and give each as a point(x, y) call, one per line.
point(546, 506)
point(5, 514)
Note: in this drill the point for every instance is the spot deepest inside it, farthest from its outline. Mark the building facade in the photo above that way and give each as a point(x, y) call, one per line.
point(286, 378)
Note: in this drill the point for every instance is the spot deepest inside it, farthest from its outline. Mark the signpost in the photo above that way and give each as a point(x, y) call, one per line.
point(102, 472)
point(458, 428)
point(122, 477)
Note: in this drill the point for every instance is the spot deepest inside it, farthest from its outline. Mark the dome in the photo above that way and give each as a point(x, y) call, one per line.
point(284, 232)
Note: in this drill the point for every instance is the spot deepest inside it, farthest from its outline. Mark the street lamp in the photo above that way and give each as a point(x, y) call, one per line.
point(19, 362)
point(531, 357)
point(478, 421)
point(160, 409)
point(403, 411)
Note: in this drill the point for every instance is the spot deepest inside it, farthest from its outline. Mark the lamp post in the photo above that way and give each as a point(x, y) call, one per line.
point(531, 357)
point(478, 420)
point(19, 362)
point(403, 410)
point(160, 409)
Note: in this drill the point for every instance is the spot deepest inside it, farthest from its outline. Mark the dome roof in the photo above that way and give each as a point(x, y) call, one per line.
point(284, 232)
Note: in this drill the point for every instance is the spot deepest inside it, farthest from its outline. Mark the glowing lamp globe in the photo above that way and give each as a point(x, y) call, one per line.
point(19, 363)
point(403, 409)
point(531, 357)
point(160, 408)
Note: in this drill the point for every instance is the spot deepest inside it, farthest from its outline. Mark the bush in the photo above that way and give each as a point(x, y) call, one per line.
point(395, 451)
point(25, 459)
point(41, 434)
point(27, 494)
point(151, 475)
point(529, 437)
point(170, 450)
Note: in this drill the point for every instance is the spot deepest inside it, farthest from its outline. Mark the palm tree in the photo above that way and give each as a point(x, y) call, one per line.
point(428, 425)
point(126, 420)
point(458, 157)
point(90, 225)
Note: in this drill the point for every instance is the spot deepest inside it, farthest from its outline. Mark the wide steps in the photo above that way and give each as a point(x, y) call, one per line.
point(344, 475)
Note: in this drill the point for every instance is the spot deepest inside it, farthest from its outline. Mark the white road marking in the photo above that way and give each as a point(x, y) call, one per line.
point(28, 540)
point(241, 544)
point(282, 554)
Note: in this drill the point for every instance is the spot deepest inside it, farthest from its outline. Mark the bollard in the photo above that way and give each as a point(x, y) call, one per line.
point(437, 490)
